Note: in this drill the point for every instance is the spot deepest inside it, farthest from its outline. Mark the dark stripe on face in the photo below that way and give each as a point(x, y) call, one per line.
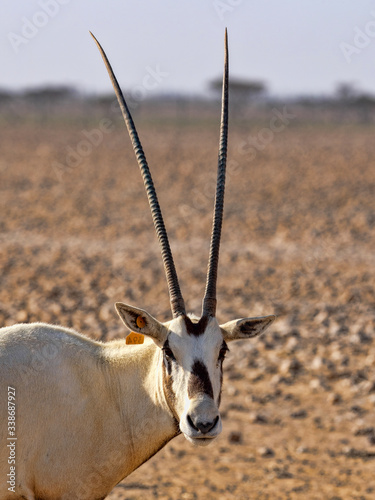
point(169, 394)
point(168, 357)
point(198, 328)
point(221, 384)
point(199, 381)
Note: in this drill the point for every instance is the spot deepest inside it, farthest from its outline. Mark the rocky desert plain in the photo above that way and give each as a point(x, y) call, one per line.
point(298, 241)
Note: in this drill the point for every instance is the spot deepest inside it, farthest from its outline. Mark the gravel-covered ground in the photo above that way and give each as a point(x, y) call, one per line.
point(298, 241)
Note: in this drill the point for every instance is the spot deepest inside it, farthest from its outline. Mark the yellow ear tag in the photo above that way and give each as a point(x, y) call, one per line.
point(141, 323)
point(135, 338)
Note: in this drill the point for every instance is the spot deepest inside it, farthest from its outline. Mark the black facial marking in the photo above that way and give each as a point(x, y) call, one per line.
point(223, 351)
point(168, 357)
point(198, 328)
point(199, 381)
point(221, 384)
point(168, 389)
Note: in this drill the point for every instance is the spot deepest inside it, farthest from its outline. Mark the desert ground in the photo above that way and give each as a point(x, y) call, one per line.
point(298, 241)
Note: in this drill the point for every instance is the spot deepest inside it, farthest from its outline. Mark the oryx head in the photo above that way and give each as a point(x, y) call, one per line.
point(193, 349)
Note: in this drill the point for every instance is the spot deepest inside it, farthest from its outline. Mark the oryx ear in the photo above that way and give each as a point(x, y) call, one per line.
point(140, 321)
point(245, 328)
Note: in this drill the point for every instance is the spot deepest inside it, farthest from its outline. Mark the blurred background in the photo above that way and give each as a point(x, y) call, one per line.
point(299, 229)
point(310, 52)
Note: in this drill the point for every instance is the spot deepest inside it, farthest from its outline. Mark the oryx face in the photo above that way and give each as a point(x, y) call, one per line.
point(192, 350)
point(193, 356)
point(191, 361)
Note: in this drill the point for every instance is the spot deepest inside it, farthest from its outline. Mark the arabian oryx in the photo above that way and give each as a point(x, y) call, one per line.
point(76, 424)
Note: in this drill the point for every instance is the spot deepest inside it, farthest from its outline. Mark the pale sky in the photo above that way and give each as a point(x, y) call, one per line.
point(296, 46)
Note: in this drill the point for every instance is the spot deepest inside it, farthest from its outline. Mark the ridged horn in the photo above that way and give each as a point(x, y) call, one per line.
point(209, 301)
point(175, 296)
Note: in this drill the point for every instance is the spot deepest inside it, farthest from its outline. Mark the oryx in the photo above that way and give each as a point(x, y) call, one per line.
point(79, 415)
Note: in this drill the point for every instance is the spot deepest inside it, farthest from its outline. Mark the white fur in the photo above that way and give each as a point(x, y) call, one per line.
point(89, 413)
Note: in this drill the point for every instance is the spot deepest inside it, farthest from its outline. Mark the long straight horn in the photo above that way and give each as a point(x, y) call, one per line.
point(209, 301)
point(176, 299)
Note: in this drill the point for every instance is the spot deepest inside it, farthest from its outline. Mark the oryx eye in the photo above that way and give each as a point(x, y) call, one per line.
point(223, 350)
point(168, 353)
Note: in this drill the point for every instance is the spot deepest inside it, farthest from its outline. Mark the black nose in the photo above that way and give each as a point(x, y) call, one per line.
point(203, 427)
